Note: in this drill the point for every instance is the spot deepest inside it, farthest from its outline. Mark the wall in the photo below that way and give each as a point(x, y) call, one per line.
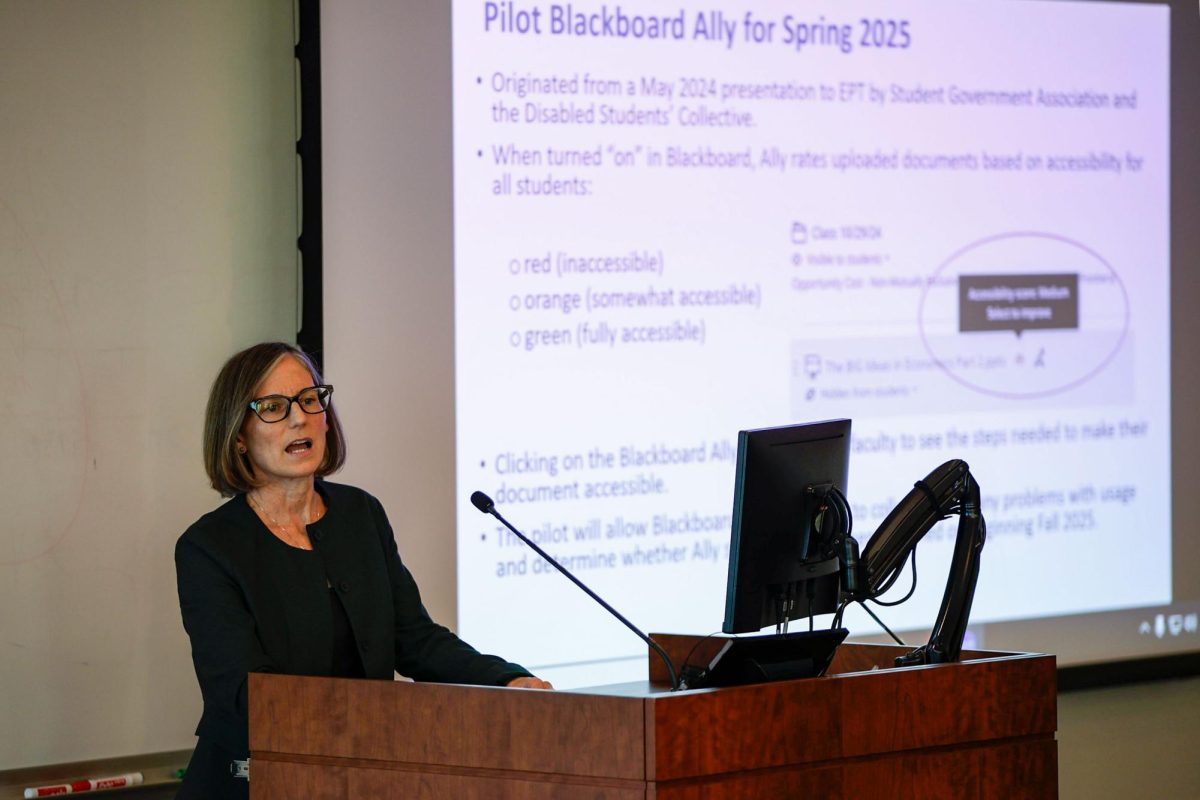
point(1130, 741)
point(147, 230)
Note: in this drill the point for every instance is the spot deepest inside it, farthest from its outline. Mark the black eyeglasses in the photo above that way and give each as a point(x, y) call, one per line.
point(277, 407)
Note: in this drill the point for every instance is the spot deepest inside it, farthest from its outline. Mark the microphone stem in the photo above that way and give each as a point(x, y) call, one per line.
point(653, 644)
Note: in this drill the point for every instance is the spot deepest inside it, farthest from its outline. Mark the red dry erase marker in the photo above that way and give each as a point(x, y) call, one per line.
point(85, 785)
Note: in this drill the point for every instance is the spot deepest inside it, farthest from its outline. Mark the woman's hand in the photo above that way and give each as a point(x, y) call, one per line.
point(529, 683)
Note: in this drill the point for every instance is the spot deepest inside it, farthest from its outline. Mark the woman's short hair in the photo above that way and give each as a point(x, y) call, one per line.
point(229, 471)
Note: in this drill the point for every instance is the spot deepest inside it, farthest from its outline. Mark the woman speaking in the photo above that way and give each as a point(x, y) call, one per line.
point(294, 574)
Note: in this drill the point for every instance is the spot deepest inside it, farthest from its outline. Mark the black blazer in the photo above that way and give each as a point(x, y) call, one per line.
point(251, 603)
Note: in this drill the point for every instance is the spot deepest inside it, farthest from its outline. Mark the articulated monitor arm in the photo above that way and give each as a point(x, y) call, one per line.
point(950, 489)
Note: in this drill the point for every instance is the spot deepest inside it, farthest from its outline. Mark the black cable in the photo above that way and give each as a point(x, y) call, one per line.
point(891, 581)
point(683, 669)
point(846, 506)
point(837, 616)
point(911, 589)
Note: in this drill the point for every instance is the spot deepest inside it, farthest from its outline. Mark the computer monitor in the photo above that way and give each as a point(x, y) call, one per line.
point(783, 561)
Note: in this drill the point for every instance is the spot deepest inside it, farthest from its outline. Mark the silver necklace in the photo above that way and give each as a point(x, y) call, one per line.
point(282, 528)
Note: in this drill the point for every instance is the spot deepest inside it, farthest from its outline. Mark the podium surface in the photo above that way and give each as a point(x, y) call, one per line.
point(980, 728)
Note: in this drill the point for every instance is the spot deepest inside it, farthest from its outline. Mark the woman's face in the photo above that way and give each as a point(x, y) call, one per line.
point(294, 447)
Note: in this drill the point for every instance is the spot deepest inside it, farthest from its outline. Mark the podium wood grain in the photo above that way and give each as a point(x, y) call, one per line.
point(981, 728)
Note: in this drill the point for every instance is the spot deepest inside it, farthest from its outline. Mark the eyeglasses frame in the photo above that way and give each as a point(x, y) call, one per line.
point(253, 404)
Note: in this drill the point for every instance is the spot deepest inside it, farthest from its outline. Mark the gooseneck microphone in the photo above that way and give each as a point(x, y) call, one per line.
point(485, 504)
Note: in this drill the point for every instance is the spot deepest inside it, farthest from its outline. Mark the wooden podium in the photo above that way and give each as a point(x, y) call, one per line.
point(981, 728)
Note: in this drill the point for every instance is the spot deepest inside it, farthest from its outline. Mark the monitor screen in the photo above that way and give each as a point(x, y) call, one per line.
point(787, 516)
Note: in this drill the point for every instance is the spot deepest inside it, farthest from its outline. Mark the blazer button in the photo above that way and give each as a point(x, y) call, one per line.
point(318, 536)
point(365, 647)
point(345, 587)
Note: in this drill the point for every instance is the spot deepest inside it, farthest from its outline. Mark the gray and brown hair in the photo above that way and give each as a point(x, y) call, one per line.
point(229, 471)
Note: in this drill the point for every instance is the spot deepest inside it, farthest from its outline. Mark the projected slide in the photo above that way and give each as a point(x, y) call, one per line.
point(947, 222)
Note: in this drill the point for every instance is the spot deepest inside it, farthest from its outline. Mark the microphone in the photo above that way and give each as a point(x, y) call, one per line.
point(485, 504)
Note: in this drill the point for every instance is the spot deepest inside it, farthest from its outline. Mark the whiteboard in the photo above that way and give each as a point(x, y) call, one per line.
point(147, 231)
